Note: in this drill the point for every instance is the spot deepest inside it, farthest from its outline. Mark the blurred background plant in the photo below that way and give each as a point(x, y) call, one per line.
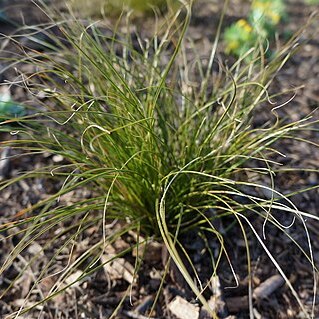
point(9, 108)
point(109, 8)
point(239, 38)
point(260, 26)
point(265, 15)
point(312, 2)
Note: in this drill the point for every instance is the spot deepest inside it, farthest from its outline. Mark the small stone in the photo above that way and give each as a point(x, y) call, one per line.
point(57, 158)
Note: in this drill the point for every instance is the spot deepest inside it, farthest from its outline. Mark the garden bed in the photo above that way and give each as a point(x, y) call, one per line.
point(98, 294)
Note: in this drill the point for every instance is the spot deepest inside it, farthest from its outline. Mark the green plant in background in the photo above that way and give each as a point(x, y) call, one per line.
point(312, 2)
point(9, 108)
point(115, 7)
point(160, 155)
point(263, 18)
point(265, 15)
point(239, 38)
point(144, 5)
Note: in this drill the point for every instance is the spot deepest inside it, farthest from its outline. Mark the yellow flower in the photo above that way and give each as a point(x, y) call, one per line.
point(243, 24)
point(232, 47)
point(239, 37)
point(268, 10)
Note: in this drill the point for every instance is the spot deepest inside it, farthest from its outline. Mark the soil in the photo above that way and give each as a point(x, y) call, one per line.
point(97, 295)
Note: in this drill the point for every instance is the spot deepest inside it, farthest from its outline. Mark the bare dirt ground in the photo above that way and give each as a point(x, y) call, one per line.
point(97, 296)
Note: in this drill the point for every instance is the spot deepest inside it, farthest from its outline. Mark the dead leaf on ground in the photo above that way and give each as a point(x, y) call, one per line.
point(182, 309)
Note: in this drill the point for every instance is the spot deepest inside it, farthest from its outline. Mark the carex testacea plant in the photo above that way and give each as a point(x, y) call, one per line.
point(163, 139)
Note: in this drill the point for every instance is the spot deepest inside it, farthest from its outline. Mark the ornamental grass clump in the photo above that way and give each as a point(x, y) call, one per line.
point(164, 142)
